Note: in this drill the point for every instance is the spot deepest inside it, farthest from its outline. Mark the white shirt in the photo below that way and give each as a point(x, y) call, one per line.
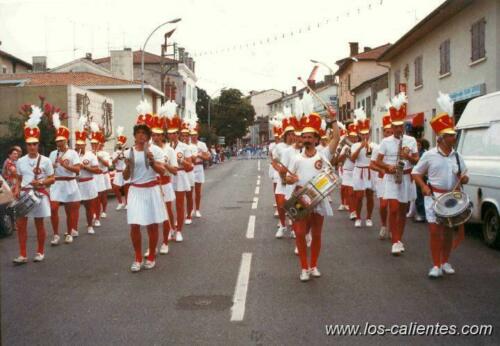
point(288, 156)
point(279, 150)
point(200, 148)
point(106, 157)
point(363, 160)
point(441, 170)
point(348, 163)
point(120, 163)
point(169, 157)
point(307, 168)
point(88, 159)
point(142, 174)
point(390, 147)
point(272, 145)
point(69, 156)
point(182, 151)
point(26, 165)
point(325, 151)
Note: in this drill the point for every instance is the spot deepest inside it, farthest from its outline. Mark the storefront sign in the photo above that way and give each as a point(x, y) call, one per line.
point(468, 93)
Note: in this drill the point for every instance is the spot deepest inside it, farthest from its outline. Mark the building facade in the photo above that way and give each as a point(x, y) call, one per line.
point(10, 64)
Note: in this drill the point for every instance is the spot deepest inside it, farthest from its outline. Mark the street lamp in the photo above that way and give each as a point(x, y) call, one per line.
point(322, 63)
point(210, 101)
point(144, 48)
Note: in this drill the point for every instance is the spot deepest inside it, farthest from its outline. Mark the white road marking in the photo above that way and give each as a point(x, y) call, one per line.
point(251, 227)
point(258, 177)
point(258, 182)
point(255, 202)
point(257, 190)
point(258, 165)
point(240, 292)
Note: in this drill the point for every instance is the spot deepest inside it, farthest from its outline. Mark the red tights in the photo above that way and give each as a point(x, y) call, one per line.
point(118, 193)
point(358, 197)
point(166, 225)
point(197, 192)
point(441, 242)
point(179, 208)
point(280, 202)
point(397, 219)
point(314, 223)
point(383, 211)
point(90, 206)
point(72, 213)
point(189, 202)
point(135, 235)
point(22, 234)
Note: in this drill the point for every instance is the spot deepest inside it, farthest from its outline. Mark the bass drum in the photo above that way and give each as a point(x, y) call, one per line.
point(453, 209)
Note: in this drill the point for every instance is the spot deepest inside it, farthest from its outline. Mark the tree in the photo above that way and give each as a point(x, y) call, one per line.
point(202, 106)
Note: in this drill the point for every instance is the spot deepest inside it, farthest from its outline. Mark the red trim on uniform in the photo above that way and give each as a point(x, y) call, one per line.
point(82, 180)
point(164, 180)
point(148, 184)
point(65, 178)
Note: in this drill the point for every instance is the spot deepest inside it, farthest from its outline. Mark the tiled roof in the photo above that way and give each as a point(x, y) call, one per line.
point(149, 58)
point(66, 78)
point(371, 55)
point(16, 59)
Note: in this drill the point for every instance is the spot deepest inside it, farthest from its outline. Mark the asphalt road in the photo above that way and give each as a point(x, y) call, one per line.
point(84, 293)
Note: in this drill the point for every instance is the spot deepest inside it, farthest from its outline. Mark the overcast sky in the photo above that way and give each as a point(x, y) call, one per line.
point(67, 29)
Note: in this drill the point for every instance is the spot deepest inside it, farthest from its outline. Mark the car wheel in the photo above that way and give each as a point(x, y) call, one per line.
point(7, 225)
point(491, 227)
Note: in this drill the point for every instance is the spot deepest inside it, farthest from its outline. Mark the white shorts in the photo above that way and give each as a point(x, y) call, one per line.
point(199, 174)
point(88, 190)
point(346, 178)
point(65, 191)
point(379, 186)
point(404, 192)
point(118, 179)
point(168, 192)
point(145, 206)
point(42, 209)
point(181, 182)
point(362, 179)
point(430, 215)
point(107, 181)
point(99, 182)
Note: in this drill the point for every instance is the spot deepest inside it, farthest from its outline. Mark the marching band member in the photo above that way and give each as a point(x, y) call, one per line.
point(279, 149)
point(398, 150)
point(379, 187)
point(306, 166)
point(445, 169)
point(180, 180)
point(143, 163)
point(118, 160)
point(348, 167)
point(95, 140)
point(86, 182)
point(273, 174)
point(363, 181)
point(104, 163)
point(184, 137)
point(344, 205)
point(34, 172)
point(165, 180)
point(65, 190)
point(202, 155)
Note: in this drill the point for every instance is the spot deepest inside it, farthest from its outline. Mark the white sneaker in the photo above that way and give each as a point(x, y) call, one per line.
point(275, 205)
point(104, 215)
point(126, 207)
point(197, 213)
point(38, 257)
point(401, 246)
point(276, 213)
point(120, 206)
point(135, 267)
point(68, 239)
point(383, 233)
point(171, 235)
point(435, 272)
point(20, 260)
point(280, 232)
point(304, 275)
point(447, 269)
point(97, 223)
point(149, 264)
point(90, 230)
point(341, 207)
point(292, 235)
point(357, 223)
point(309, 239)
point(164, 249)
point(352, 216)
point(314, 272)
point(178, 237)
point(74, 233)
point(188, 221)
point(55, 239)
point(296, 251)
point(396, 249)
point(369, 223)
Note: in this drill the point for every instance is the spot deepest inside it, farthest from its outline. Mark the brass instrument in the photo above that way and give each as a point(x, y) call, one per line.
point(400, 165)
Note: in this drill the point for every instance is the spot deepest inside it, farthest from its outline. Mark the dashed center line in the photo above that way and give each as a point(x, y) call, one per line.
point(257, 190)
point(240, 292)
point(258, 182)
point(251, 227)
point(258, 165)
point(255, 202)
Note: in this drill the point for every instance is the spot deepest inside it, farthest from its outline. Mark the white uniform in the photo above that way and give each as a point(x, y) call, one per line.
point(307, 168)
point(168, 188)
point(25, 167)
point(145, 204)
point(119, 168)
point(347, 168)
point(362, 176)
point(193, 149)
point(406, 191)
point(325, 151)
point(278, 151)
point(86, 181)
point(271, 169)
point(379, 186)
point(287, 157)
point(105, 170)
point(65, 190)
point(199, 171)
point(442, 174)
point(181, 180)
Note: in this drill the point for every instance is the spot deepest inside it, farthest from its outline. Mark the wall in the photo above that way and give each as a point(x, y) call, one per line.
point(9, 65)
point(259, 102)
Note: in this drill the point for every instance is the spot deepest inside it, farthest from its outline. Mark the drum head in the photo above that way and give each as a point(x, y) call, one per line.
point(451, 204)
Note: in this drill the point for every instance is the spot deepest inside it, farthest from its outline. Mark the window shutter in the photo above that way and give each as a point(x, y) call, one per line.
point(474, 42)
point(481, 38)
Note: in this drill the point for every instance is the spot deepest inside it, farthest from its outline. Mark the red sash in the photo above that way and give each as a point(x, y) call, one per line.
point(65, 178)
point(164, 180)
point(82, 180)
point(148, 184)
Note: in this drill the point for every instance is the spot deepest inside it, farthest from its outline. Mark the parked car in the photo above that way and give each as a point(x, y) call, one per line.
point(7, 219)
point(479, 143)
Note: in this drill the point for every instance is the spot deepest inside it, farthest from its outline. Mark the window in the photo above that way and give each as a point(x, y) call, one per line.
point(477, 30)
point(481, 142)
point(4, 69)
point(397, 81)
point(418, 71)
point(444, 57)
point(349, 82)
point(368, 107)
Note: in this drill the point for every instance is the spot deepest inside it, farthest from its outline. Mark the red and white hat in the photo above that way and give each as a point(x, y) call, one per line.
point(194, 126)
point(386, 121)
point(62, 132)
point(157, 124)
point(443, 123)
point(397, 109)
point(322, 131)
point(81, 133)
point(362, 121)
point(342, 129)
point(95, 133)
point(276, 126)
point(144, 114)
point(311, 123)
point(352, 129)
point(172, 121)
point(120, 138)
point(31, 130)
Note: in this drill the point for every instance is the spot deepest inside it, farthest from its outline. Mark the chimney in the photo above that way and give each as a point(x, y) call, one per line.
point(88, 56)
point(367, 49)
point(354, 47)
point(122, 64)
point(294, 89)
point(329, 79)
point(181, 54)
point(311, 83)
point(39, 64)
point(186, 58)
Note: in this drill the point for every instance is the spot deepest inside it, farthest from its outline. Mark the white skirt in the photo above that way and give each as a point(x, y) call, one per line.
point(99, 182)
point(65, 191)
point(379, 185)
point(42, 209)
point(88, 190)
point(404, 192)
point(107, 181)
point(271, 172)
point(181, 181)
point(346, 178)
point(118, 179)
point(362, 179)
point(276, 177)
point(145, 206)
point(199, 174)
point(168, 192)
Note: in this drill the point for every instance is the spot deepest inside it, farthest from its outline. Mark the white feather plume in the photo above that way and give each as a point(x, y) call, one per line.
point(287, 111)
point(56, 121)
point(445, 103)
point(275, 122)
point(94, 127)
point(399, 100)
point(35, 117)
point(307, 103)
point(119, 130)
point(359, 114)
point(341, 125)
point(299, 111)
point(81, 123)
point(279, 116)
point(170, 109)
point(144, 107)
point(323, 124)
point(388, 105)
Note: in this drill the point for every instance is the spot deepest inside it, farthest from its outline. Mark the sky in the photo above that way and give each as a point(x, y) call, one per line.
point(64, 30)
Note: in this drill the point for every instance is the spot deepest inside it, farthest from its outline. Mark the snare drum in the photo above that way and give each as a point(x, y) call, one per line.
point(452, 208)
point(26, 202)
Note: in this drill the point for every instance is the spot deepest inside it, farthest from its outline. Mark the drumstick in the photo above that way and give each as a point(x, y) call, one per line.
point(313, 93)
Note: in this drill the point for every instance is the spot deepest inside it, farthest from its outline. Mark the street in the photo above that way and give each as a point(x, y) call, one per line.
point(84, 293)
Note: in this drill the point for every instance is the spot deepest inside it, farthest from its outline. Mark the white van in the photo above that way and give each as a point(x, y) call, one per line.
point(479, 143)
